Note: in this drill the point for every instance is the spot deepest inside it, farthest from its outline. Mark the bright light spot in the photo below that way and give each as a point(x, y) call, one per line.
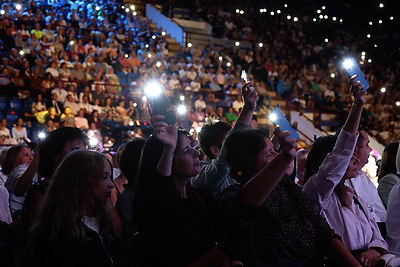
point(131, 123)
point(153, 37)
point(18, 7)
point(341, 20)
point(288, 17)
point(146, 45)
point(189, 45)
point(295, 19)
point(228, 64)
point(326, 17)
point(42, 135)
point(381, 5)
point(314, 19)
point(181, 109)
point(98, 8)
point(383, 89)
point(123, 7)
point(144, 98)
point(363, 57)
point(370, 23)
point(398, 103)
point(241, 12)
point(380, 21)
point(149, 55)
point(198, 129)
point(375, 45)
point(285, 5)
point(368, 35)
point(127, 10)
point(272, 13)
point(260, 44)
point(334, 18)
point(237, 10)
point(2, 12)
point(22, 52)
point(134, 13)
point(391, 18)
point(132, 7)
point(135, 104)
point(93, 141)
point(126, 55)
point(237, 43)
point(321, 16)
point(318, 11)
point(158, 64)
point(278, 11)
point(348, 63)
point(163, 33)
point(153, 89)
point(220, 58)
point(261, 10)
point(71, 42)
point(326, 40)
point(369, 60)
point(333, 75)
point(363, 53)
point(323, 7)
point(182, 98)
point(272, 117)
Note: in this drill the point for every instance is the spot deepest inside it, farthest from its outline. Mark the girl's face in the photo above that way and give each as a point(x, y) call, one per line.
point(24, 157)
point(265, 156)
point(101, 191)
point(186, 161)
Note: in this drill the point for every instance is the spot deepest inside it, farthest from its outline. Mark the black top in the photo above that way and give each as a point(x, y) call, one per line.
point(173, 228)
point(286, 227)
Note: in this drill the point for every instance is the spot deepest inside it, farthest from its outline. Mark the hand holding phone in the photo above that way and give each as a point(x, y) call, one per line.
point(244, 76)
point(278, 118)
point(159, 102)
point(351, 67)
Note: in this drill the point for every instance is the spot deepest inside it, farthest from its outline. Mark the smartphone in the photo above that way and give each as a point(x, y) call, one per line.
point(160, 105)
point(351, 67)
point(244, 76)
point(278, 118)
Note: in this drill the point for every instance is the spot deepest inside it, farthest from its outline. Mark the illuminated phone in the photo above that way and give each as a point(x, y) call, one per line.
point(159, 102)
point(351, 67)
point(278, 118)
point(244, 76)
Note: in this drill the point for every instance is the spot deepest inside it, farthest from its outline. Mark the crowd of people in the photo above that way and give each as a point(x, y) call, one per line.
point(207, 187)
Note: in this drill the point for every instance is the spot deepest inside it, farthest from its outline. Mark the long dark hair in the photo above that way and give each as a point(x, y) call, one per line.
point(388, 162)
point(242, 150)
point(53, 144)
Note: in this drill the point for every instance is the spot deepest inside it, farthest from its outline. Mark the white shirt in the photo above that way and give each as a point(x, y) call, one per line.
point(61, 94)
point(358, 230)
point(15, 201)
point(393, 220)
point(365, 188)
point(200, 104)
point(5, 214)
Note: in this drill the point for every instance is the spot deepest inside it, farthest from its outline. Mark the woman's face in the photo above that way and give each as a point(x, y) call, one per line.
point(101, 191)
point(352, 169)
point(24, 157)
point(186, 161)
point(265, 156)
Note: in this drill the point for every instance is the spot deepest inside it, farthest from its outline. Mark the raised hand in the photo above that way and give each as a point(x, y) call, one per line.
point(167, 134)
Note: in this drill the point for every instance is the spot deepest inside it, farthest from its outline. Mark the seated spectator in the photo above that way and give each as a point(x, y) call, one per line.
point(164, 197)
point(230, 116)
point(55, 146)
point(393, 220)
point(330, 163)
point(80, 120)
point(389, 171)
point(17, 164)
point(83, 233)
point(19, 132)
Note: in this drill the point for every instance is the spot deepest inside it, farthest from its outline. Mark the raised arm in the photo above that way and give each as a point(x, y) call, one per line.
point(250, 97)
point(258, 188)
point(353, 120)
point(168, 135)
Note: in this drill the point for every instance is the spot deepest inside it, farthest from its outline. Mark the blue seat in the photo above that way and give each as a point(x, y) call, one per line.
point(3, 104)
point(12, 115)
point(16, 104)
